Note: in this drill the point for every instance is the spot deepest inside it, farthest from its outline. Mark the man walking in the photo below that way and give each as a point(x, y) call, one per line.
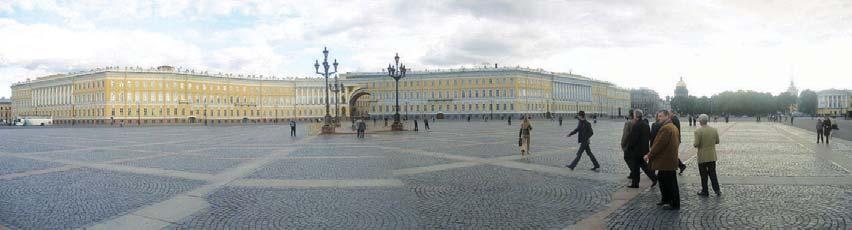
point(625, 132)
point(826, 129)
point(510, 120)
point(819, 130)
point(637, 146)
point(584, 129)
point(663, 157)
point(415, 125)
point(560, 120)
point(292, 128)
point(426, 124)
point(706, 139)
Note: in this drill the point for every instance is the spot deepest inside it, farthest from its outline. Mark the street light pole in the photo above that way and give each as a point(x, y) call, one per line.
point(396, 71)
point(336, 101)
point(327, 127)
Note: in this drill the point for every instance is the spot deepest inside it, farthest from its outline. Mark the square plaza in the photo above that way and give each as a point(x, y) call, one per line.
point(458, 175)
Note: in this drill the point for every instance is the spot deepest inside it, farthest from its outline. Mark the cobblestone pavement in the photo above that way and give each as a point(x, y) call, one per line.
point(459, 175)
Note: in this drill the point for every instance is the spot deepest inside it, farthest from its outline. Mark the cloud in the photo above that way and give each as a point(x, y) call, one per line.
point(649, 43)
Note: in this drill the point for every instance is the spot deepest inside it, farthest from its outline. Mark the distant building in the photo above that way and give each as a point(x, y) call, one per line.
point(792, 90)
point(834, 102)
point(169, 95)
point(680, 89)
point(5, 111)
point(645, 99)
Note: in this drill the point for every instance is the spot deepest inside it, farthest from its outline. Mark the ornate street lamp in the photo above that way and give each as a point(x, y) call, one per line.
point(336, 91)
point(396, 71)
point(327, 127)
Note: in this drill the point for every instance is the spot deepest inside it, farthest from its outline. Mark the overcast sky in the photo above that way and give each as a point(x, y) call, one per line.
point(714, 45)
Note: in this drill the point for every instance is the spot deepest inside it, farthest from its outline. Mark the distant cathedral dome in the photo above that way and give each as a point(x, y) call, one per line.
point(681, 84)
point(680, 89)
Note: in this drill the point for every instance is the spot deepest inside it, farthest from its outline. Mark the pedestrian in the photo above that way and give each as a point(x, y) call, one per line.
point(426, 124)
point(791, 119)
point(468, 118)
point(826, 129)
point(676, 121)
point(819, 131)
point(584, 129)
point(625, 132)
point(560, 120)
point(689, 119)
point(362, 128)
point(415, 125)
point(727, 117)
point(510, 120)
point(386, 122)
point(637, 146)
point(524, 136)
point(663, 156)
point(706, 139)
point(292, 128)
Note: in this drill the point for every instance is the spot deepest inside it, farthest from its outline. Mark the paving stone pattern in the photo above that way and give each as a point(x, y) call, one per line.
point(458, 175)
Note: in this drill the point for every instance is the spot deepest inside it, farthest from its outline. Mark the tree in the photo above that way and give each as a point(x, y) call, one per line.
point(808, 102)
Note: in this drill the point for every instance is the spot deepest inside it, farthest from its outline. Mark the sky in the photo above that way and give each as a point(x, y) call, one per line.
point(714, 45)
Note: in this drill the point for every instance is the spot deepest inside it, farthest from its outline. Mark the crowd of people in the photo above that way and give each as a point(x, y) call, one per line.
point(652, 149)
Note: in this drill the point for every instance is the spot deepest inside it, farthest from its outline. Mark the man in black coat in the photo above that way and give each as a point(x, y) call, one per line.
point(584, 128)
point(676, 122)
point(638, 144)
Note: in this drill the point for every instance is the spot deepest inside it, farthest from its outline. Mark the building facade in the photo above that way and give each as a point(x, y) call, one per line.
point(165, 95)
point(646, 99)
point(834, 102)
point(489, 92)
point(6, 111)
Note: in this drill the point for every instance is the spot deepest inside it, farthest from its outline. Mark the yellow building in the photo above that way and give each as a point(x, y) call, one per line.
point(165, 95)
point(834, 102)
point(5, 111)
point(486, 92)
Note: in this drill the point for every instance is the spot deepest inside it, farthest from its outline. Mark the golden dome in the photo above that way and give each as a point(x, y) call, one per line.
point(681, 83)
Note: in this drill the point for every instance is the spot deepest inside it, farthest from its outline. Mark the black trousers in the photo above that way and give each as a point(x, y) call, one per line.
point(669, 188)
point(819, 136)
point(584, 147)
point(708, 169)
point(292, 131)
point(826, 135)
point(636, 164)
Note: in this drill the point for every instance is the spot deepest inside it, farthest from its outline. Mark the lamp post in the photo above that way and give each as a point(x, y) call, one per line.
point(396, 71)
point(327, 127)
point(336, 91)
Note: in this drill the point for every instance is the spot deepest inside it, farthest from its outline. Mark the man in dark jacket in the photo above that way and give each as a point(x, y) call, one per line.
point(676, 121)
point(584, 129)
point(637, 146)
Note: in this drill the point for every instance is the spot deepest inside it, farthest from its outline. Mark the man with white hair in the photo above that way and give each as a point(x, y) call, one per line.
point(706, 139)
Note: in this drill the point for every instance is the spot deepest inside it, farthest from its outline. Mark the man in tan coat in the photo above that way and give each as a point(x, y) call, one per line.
point(706, 139)
point(663, 157)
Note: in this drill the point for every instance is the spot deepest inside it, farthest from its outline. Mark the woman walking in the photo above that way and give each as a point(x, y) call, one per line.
point(524, 136)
